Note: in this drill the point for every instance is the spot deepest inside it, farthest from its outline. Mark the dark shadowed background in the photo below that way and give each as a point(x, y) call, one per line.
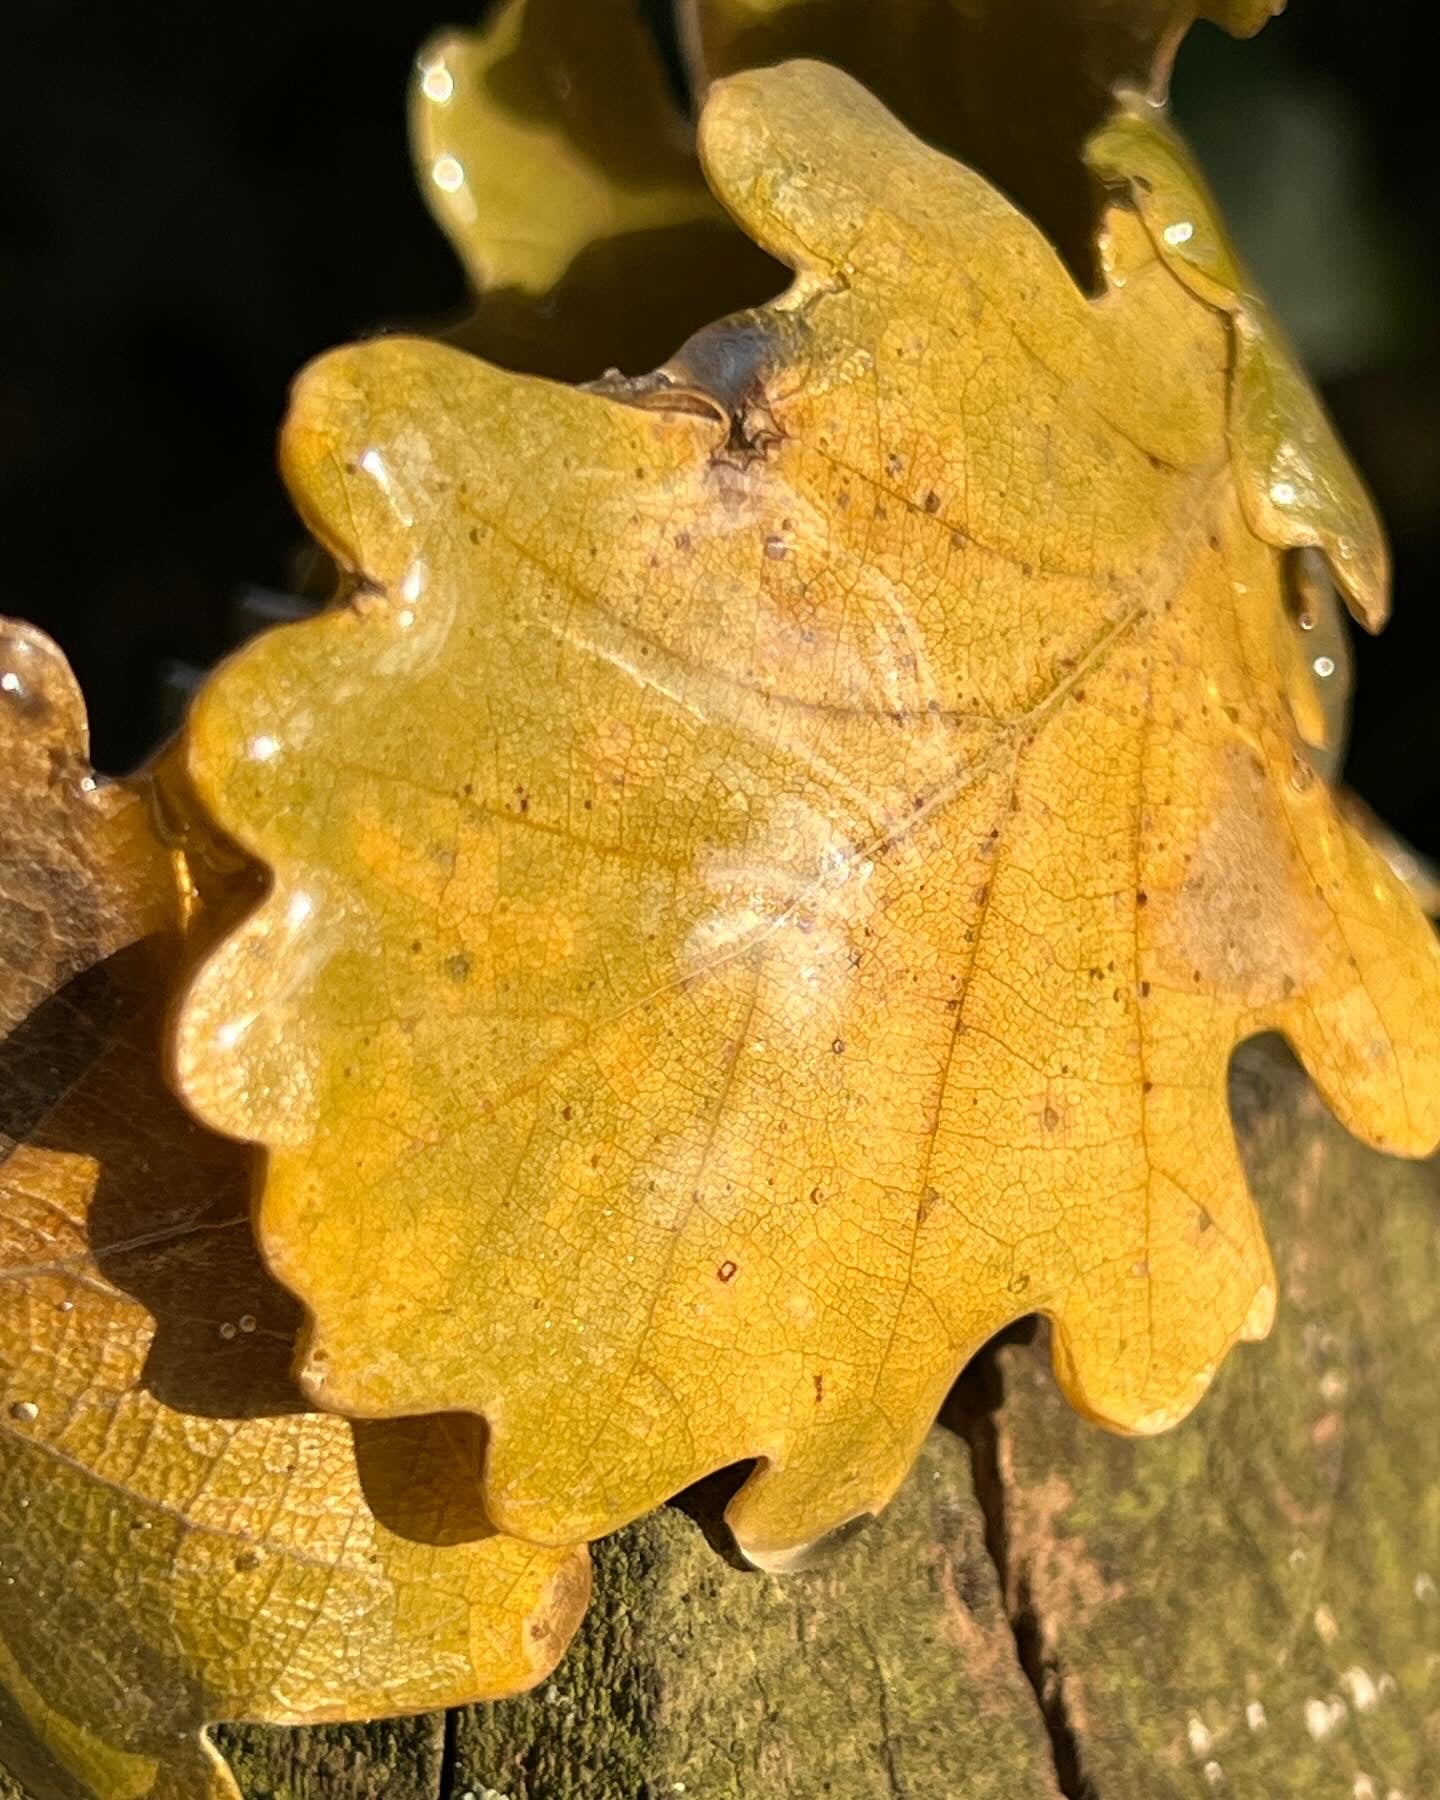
point(193, 200)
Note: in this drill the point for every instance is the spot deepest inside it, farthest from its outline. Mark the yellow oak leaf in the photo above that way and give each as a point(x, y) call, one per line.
point(553, 155)
point(772, 860)
point(1012, 87)
point(182, 1540)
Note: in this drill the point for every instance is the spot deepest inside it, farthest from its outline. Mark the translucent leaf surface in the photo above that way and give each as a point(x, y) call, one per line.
point(181, 1539)
point(772, 861)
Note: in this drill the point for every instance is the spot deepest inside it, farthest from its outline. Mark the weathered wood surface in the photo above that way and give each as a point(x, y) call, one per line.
point(1246, 1606)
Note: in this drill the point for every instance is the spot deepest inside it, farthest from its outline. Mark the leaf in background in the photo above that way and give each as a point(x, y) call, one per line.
point(1012, 87)
point(772, 863)
point(181, 1539)
point(557, 162)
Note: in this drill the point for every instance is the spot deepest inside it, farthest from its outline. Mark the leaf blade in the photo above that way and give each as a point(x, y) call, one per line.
point(800, 873)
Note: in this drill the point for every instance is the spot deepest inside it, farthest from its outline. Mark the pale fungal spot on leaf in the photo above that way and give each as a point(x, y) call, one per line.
point(1325, 1627)
point(1255, 1715)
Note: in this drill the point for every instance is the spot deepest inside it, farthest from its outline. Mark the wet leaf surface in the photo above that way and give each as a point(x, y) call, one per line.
point(772, 862)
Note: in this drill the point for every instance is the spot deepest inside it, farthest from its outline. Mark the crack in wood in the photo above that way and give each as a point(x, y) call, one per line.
point(974, 1412)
